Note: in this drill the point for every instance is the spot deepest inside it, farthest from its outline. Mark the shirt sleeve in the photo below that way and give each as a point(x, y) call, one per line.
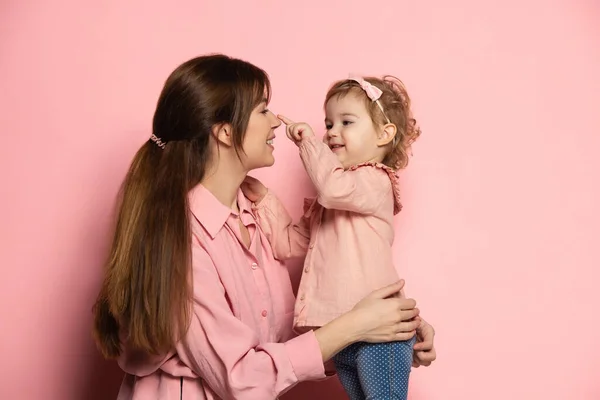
point(361, 190)
point(288, 240)
point(227, 354)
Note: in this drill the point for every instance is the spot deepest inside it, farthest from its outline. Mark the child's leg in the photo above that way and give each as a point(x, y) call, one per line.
point(384, 368)
point(345, 364)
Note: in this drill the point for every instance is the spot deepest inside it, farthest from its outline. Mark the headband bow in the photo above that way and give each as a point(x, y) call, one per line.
point(373, 92)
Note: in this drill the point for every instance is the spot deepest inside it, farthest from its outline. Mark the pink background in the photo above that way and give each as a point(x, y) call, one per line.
point(500, 236)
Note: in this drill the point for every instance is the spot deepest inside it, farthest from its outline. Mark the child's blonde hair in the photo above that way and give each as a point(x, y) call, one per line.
point(395, 103)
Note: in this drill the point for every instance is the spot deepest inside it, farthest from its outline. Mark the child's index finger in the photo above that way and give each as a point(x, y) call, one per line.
point(285, 119)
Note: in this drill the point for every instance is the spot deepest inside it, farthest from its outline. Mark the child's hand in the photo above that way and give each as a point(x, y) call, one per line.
point(296, 131)
point(253, 189)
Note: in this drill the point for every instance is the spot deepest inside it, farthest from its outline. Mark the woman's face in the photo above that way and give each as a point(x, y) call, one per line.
point(258, 142)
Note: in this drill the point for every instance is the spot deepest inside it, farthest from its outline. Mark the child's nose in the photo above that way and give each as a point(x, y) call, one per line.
point(333, 132)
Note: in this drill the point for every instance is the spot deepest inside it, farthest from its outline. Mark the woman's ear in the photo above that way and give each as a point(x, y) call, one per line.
point(223, 134)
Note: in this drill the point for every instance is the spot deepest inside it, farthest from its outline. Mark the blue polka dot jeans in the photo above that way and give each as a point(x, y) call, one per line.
point(377, 371)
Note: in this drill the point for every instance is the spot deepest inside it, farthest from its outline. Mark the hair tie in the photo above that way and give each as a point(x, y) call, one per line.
point(157, 141)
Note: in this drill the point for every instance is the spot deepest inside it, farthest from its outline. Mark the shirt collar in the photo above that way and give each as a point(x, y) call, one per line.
point(210, 212)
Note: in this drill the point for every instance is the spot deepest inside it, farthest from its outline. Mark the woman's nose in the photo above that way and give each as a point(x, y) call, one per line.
point(276, 123)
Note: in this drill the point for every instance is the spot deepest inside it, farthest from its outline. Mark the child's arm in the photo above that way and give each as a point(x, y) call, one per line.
point(361, 190)
point(288, 240)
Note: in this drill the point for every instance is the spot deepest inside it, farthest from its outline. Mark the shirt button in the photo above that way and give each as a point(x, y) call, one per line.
point(306, 269)
point(302, 297)
point(312, 246)
point(254, 265)
point(264, 313)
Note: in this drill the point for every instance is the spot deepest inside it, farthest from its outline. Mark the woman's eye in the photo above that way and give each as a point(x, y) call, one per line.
point(266, 110)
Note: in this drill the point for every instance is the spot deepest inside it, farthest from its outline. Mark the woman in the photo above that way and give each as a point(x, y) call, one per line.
point(193, 304)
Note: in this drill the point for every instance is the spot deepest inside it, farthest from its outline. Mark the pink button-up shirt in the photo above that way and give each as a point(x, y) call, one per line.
point(346, 234)
point(239, 344)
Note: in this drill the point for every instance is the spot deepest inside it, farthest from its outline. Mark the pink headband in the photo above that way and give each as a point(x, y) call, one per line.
point(372, 91)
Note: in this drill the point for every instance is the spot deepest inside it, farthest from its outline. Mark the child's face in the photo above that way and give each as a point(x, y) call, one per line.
point(351, 133)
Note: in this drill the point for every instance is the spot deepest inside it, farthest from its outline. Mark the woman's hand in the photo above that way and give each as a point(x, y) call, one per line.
point(424, 351)
point(253, 189)
point(296, 131)
point(383, 316)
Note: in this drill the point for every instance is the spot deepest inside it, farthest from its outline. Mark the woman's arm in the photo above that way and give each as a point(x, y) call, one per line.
point(379, 317)
point(229, 357)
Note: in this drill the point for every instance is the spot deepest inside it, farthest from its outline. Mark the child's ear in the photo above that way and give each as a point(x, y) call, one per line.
point(223, 132)
point(386, 135)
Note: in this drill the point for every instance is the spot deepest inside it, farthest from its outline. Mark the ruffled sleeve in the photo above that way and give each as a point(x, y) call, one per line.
point(394, 179)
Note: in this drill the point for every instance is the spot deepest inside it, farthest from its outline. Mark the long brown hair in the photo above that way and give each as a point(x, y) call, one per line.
point(397, 106)
point(145, 298)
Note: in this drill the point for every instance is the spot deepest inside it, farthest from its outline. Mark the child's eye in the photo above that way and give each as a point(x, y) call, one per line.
point(346, 123)
point(328, 126)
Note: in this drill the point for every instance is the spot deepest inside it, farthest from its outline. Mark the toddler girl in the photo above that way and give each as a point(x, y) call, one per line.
point(346, 233)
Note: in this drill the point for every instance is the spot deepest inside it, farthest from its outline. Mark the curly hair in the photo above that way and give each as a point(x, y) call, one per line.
point(396, 104)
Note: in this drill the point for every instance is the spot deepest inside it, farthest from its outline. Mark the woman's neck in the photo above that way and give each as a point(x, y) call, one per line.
point(223, 181)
